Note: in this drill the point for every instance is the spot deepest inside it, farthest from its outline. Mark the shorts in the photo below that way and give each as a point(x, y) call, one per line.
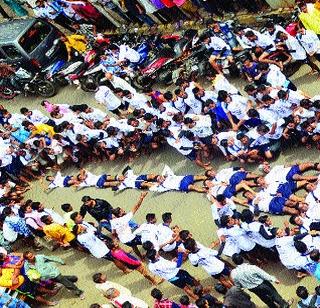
point(237, 178)
point(146, 139)
point(276, 205)
point(139, 180)
point(185, 182)
point(226, 53)
point(192, 155)
point(225, 272)
point(230, 191)
point(293, 171)
point(182, 279)
point(287, 189)
point(66, 180)
point(101, 181)
point(136, 241)
point(263, 148)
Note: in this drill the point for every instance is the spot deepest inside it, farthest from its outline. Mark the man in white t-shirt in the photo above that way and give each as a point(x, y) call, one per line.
point(121, 228)
point(282, 173)
point(208, 259)
point(106, 97)
point(148, 231)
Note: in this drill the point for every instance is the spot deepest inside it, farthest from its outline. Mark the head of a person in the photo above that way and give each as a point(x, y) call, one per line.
point(202, 303)
point(151, 218)
point(167, 218)
point(29, 256)
point(99, 278)
point(237, 259)
point(247, 216)
point(191, 245)
point(223, 96)
point(156, 294)
point(251, 36)
point(76, 217)
point(303, 7)
point(148, 245)
point(111, 293)
point(265, 167)
point(300, 247)
point(282, 36)
point(296, 220)
point(315, 255)
point(184, 300)
point(270, 27)
point(263, 67)
point(46, 219)
point(184, 235)
point(302, 292)
point(221, 199)
point(88, 201)
point(265, 219)
point(66, 207)
point(152, 255)
point(226, 221)
point(25, 111)
point(95, 305)
point(118, 212)
point(260, 181)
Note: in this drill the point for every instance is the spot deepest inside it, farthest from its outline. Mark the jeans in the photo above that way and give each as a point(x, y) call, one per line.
point(68, 282)
point(269, 295)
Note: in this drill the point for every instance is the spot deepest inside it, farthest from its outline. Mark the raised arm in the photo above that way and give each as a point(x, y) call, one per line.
point(139, 202)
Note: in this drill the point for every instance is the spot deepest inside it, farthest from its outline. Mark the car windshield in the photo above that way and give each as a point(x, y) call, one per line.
point(34, 36)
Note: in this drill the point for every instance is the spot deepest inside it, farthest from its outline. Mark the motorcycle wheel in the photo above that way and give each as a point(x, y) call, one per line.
point(141, 83)
point(89, 84)
point(7, 93)
point(45, 88)
point(61, 81)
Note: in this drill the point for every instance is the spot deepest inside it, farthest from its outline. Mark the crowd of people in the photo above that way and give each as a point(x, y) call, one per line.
point(201, 124)
point(108, 13)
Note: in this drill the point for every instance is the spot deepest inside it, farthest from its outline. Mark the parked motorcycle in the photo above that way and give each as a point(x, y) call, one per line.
point(27, 83)
point(165, 64)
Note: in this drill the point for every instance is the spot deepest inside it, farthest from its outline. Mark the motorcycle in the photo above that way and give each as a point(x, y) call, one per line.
point(25, 82)
point(166, 63)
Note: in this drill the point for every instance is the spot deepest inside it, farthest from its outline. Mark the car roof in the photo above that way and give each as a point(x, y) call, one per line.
point(13, 29)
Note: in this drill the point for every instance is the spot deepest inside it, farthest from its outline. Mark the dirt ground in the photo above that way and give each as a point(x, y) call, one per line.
point(190, 210)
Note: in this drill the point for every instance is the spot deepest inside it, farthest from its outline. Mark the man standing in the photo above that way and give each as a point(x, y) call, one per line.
point(257, 281)
point(99, 209)
point(120, 225)
point(43, 265)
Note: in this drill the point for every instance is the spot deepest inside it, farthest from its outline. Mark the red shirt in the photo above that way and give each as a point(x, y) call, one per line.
point(168, 3)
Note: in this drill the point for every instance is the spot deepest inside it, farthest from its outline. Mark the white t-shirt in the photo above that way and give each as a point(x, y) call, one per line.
point(96, 247)
point(206, 258)
point(90, 180)
point(165, 234)
point(106, 97)
point(121, 226)
point(148, 232)
point(277, 173)
point(164, 268)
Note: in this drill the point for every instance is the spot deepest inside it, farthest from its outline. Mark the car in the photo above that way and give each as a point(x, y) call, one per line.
point(30, 42)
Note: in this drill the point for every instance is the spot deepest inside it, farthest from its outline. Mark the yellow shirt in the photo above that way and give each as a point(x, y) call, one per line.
point(77, 42)
point(311, 21)
point(58, 233)
point(41, 129)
